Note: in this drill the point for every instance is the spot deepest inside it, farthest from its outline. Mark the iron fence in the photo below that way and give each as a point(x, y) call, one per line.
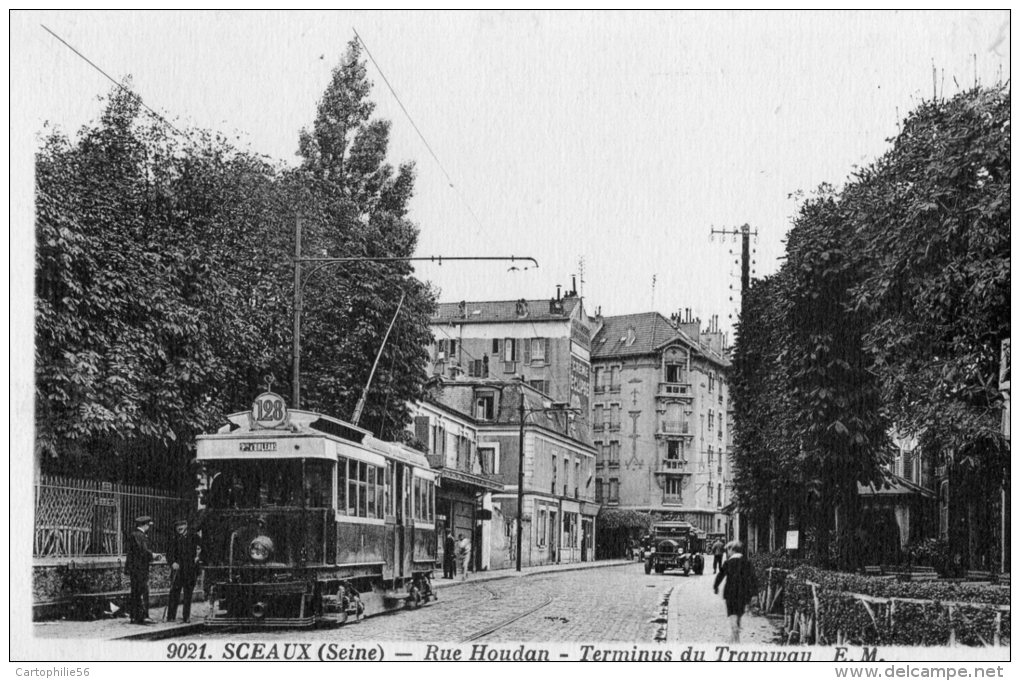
point(91, 518)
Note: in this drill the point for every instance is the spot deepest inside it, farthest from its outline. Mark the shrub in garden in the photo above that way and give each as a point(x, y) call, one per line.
point(856, 609)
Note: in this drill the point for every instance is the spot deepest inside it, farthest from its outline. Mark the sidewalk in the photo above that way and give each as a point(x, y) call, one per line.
point(510, 573)
point(121, 627)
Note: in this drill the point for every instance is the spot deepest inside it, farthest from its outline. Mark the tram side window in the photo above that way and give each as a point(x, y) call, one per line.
point(424, 499)
point(362, 490)
point(371, 491)
point(387, 490)
point(341, 486)
point(364, 485)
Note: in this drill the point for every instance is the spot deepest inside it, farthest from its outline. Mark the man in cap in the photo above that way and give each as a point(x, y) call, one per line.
point(137, 568)
point(182, 554)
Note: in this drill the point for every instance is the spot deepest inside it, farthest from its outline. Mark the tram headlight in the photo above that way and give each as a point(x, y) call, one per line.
point(260, 548)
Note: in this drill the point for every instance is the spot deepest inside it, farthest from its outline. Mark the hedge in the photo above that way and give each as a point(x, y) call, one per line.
point(830, 608)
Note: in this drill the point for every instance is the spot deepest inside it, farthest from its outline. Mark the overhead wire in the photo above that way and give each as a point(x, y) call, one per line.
point(123, 87)
point(414, 125)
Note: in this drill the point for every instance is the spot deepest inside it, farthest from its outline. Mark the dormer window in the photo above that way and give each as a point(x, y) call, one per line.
point(485, 406)
point(631, 336)
point(522, 308)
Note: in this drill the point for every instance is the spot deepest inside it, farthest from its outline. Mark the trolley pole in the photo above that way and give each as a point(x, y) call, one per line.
point(302, 275)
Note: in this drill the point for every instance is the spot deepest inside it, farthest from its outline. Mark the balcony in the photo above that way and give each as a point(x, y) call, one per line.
point(614, 388)
point(676, 390)
point(676, 428)
point(614, 427)
point(672, 499)
point(667, 466)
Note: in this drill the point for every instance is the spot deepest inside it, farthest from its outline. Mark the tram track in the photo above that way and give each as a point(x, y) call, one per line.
point(482, 633)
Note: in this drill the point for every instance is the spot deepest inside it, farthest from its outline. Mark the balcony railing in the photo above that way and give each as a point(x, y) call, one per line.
point(614, 426)
point(615, 463)
point(672, 499)
point(674, 427)
point(675, 390)
point(614, 388)
point(673, 464)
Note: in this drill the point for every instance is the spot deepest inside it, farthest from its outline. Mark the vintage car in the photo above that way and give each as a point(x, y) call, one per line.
point(676, 546)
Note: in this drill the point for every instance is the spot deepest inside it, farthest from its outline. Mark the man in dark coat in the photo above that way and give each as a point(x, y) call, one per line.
point(717, 554)
point(449, 556)
point(741, 586)
point(137, 569)
point(182, 554)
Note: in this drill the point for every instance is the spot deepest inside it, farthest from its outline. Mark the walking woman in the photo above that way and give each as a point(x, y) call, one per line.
point(741, 586)
point(463, 555)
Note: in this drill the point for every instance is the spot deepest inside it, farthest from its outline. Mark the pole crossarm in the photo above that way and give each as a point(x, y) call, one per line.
point(321, 263)
point(438, 259)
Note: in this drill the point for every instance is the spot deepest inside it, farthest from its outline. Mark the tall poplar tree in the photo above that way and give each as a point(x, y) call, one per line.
point(355, 204)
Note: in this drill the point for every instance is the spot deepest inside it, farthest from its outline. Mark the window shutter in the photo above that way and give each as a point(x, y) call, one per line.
point(527, 350)
point(508, 350)
point(421, 429)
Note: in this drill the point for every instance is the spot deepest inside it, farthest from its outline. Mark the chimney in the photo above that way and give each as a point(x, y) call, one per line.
point(573, 284)
point(557, 291)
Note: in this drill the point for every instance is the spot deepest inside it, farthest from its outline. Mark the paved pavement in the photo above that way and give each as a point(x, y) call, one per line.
point(604, 601)
point(120, 627)
point(616, 603)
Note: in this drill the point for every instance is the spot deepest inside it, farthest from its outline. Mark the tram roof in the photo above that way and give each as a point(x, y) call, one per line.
point(306, 423)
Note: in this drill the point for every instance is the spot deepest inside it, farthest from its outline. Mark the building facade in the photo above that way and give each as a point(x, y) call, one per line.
point(659, 418)
point(558, 496)
point(547, 343)
point(465, 481)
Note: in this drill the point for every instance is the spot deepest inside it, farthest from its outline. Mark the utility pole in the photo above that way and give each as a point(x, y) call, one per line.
point(745, 233)
point(295, 363)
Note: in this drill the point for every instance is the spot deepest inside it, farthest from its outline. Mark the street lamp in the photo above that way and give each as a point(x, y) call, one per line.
point(522, 412)
point(324, 262)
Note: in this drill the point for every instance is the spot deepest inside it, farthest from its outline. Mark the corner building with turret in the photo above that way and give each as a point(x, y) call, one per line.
point(659, 426)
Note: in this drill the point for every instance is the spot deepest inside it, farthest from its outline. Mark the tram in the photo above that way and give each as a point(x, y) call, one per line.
point(310, 520)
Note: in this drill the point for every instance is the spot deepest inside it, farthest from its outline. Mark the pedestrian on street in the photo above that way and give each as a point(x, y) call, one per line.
point(463, 555)
point(182, 555)
point(717, 553)
point(741, 586)
point(449, 555)
point(139, 556)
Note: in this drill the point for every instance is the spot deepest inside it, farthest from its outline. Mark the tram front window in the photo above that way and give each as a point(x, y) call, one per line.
point(270, 484)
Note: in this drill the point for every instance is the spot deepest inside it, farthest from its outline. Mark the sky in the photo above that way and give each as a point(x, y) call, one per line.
point(616, 139)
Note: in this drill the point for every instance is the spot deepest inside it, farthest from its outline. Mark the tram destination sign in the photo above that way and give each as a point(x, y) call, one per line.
point(258, 446)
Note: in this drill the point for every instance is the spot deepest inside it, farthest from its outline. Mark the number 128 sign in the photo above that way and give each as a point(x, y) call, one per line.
point(268, 411)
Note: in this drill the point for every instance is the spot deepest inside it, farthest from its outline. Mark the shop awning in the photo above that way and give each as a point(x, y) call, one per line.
point(472, 479)
point(894, 485)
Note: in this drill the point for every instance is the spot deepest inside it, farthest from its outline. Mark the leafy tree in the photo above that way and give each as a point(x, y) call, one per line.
point(935, 223)
point(357, 204)
point(164, 282)
point(768, 479)
point(125, 297)
point(836, 415)
point(890, 309)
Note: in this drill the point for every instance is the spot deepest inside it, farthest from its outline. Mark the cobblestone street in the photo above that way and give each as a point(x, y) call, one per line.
point(618, 603)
